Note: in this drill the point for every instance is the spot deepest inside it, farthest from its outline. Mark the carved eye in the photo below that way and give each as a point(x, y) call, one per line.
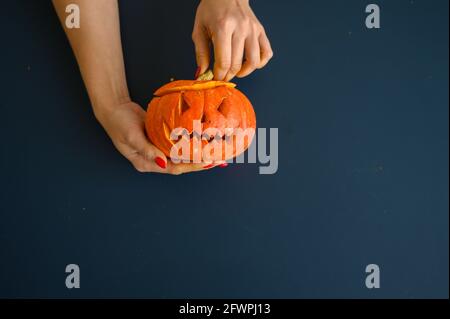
point(221, 108)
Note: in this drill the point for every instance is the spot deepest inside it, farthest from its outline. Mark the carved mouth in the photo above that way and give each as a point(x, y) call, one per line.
point(183, 133)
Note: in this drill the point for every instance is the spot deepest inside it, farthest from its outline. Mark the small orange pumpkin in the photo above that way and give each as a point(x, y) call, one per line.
point(210, 111)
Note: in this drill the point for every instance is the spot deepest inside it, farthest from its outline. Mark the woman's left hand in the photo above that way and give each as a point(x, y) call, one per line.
point(240, 41)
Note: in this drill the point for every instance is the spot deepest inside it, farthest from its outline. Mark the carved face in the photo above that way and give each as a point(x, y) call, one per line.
point(214, 113)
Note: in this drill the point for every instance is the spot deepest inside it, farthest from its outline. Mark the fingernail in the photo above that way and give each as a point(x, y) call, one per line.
point(208, 166)
point(223, 165)
point(160, 162)
point(197, 73)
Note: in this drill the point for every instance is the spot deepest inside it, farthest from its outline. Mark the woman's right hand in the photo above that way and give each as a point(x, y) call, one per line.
point(125, 125)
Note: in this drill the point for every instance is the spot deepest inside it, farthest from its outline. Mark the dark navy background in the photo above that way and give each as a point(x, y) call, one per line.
point(363, 162)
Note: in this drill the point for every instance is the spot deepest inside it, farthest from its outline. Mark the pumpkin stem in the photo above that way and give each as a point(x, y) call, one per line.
point(207, 76)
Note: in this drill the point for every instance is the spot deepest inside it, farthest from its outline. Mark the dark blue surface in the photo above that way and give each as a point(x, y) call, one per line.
point(363, 170)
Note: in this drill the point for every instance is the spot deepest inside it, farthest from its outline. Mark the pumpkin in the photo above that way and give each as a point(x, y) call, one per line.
point(212, 120)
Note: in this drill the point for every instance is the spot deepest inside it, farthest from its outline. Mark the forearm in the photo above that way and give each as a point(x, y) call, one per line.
point(98, 49)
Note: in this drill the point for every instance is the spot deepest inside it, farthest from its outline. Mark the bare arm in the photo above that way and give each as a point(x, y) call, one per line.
point(98, 50)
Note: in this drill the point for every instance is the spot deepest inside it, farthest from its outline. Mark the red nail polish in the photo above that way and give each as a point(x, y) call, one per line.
point(208, 166)
point(160, 162)
point(223, 165)
point(197, 73)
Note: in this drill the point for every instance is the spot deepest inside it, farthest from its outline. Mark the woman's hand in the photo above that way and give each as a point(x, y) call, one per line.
point(124, 124)
point(98, 49)
point(240, 42)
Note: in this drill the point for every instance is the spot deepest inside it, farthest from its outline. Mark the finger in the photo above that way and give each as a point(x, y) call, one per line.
point(142, 165)
point(237, 55)
point(150, 153)
point(252, 56)
point(202, 50)
point(155, 156)
point(222, 54)
point(183, 168)
point(266, 50)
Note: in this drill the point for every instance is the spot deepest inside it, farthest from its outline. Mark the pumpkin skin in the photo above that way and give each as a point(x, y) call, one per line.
point(219, 109)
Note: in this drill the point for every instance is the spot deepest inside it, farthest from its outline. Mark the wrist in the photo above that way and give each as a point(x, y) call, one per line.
point(102, 107)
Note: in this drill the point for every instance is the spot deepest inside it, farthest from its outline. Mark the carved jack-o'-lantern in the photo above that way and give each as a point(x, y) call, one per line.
point(212, 118)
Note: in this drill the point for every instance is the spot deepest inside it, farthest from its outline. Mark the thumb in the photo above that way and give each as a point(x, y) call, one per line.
point(202, 49)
